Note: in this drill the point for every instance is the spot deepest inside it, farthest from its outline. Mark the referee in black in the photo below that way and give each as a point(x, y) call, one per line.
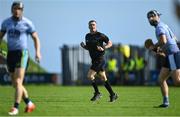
point(96, 47)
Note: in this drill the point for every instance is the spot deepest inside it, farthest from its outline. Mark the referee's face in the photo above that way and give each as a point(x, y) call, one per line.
point(92, 27)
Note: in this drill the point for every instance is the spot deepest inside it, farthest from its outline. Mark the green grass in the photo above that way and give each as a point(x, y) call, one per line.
point(74, 101)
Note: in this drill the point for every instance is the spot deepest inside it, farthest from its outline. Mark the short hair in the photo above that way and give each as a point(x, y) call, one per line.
point(92, 21)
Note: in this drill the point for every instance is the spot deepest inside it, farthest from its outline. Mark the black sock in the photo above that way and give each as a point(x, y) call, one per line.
point(16, 105)
point(108, 87)
point(95, 86)
point(26, 100)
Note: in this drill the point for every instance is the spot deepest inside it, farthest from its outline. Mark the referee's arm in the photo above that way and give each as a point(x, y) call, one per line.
point(108, 45)
point(83, 45)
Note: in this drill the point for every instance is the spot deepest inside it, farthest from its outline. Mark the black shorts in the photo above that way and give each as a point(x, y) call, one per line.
point(98, 65)
point(17, 59)
point(172, 61)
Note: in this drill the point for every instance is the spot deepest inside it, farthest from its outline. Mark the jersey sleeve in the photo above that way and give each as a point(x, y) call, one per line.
point(3, 27)
point(105, 38)
point(31, 28)
point(160, 31)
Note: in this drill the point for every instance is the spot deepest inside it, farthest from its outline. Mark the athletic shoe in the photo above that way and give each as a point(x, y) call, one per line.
point(30, 107)
point(163, 106)
point(13, 111)
point(96, 96)
point(113, 97)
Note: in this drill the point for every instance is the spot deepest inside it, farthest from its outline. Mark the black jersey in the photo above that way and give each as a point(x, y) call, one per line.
point(94, 40)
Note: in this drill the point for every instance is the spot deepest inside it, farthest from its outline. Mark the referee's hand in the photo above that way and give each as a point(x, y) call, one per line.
point(99, 48)
point(82, 44)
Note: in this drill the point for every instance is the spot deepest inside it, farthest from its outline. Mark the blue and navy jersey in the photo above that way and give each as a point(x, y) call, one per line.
point(17, 32)
point(94, 40)
point(171, 46)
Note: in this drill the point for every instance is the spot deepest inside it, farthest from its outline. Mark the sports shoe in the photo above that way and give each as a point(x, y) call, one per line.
point(13, 111)
point(30, 107)
point(113, 97)
point(163, 106)
point(96, 96)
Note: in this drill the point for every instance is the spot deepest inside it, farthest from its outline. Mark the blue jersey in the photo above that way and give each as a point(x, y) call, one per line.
point(171, 46)
point(17, 32)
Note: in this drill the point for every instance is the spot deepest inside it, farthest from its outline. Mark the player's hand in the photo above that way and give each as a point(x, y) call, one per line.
point(82, 44)
point(99, 48)
point(38, 57)
point(160, 52)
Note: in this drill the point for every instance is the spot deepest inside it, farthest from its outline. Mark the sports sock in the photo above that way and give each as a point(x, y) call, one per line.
point(166, 100)
point(108, 87)
point(95, 86)
point(26, 100)
point(16, 105)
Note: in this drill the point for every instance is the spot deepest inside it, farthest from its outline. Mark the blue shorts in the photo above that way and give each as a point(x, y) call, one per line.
point(17, 59)
point(172, 61)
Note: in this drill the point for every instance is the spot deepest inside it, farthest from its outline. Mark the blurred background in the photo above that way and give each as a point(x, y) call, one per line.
point(63, 24)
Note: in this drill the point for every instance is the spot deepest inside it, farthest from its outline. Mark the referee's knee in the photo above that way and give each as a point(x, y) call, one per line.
point(103, 78)
point(90, 77)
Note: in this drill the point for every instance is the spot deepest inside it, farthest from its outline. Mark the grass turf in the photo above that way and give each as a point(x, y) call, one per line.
point(75, 101)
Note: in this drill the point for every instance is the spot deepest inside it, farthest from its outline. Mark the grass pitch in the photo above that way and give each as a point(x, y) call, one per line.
point(75, 101)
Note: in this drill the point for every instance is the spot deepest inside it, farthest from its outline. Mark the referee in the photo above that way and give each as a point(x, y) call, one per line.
point(95, 45)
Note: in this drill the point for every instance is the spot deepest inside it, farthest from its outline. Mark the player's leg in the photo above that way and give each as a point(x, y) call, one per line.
point(113, 96)
point(175, 63)
point(17, 80)
point(91, 76)
point(11, 63)
point(176, 77)
point(15, 109)
point(20, 90)
point(30, 106)
point(25, 93)
point(18, 70)
point(163, 76)
point(24, 64)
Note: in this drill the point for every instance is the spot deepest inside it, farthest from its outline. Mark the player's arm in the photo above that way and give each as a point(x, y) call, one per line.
point(2, 31)
point(36, 40)
point(83, 45)
point(161, 42)
point(1, 36)
point(153, 47)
